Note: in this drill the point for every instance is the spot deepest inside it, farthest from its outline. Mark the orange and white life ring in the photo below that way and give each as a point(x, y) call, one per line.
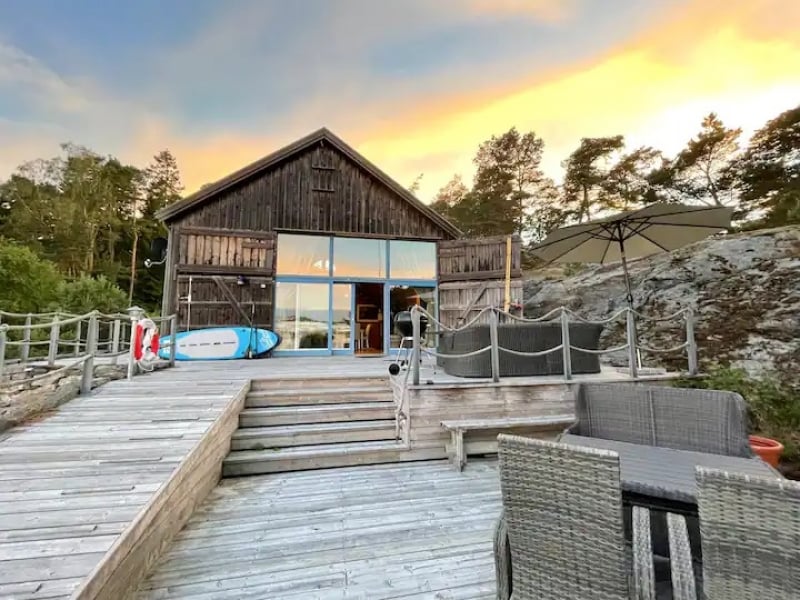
point(145, 340)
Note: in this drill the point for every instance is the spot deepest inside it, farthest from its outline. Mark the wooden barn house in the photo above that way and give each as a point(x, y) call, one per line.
point(318, 244)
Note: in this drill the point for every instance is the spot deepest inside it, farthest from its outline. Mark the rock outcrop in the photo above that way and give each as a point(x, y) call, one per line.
point(744, 289)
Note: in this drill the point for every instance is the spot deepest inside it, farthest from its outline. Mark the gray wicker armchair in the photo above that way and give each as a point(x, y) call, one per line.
point(750, 535)
point(561, 534)
point(683, 419)
point(519, 337)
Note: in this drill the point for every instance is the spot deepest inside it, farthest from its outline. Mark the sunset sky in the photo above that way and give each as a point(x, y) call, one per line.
point(415, 85)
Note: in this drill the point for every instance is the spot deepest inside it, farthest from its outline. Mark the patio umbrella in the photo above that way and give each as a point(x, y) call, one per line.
point(634, 234)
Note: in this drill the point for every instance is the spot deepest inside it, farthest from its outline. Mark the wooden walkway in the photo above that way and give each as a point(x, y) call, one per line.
point(414, 530)
point(71, 482)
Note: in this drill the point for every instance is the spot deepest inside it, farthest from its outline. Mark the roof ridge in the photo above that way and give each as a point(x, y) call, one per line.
point(323, 133)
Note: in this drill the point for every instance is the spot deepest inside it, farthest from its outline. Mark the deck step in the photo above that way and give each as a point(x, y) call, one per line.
point(282, 436)
point(324, 413)
point(297, 397)
point(296, 383)
point(318, 457)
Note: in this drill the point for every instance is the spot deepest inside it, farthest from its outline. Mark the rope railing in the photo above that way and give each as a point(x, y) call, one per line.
point(565, 317)
point(76, 339)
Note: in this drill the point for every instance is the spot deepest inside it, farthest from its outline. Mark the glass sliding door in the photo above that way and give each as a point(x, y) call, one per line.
point(301, 315)
point(404, 297)
point(342, 317)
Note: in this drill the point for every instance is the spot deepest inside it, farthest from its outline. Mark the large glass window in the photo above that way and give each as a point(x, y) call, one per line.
point(412, 260)
point(301, 315)
point(355, 257)
point(303, 255)
point(342, 318)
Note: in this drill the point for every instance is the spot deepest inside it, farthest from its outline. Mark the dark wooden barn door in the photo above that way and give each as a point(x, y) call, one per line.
point(472, 276)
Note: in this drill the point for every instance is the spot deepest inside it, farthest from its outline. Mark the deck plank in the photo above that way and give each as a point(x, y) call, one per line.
point(389, 531)
point(75, 479)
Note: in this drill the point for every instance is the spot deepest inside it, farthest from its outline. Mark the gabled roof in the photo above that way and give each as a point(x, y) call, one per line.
point(208, 193)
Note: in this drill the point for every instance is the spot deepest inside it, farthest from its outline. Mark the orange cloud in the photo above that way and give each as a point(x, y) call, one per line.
point(654, 90)
point(736, 58)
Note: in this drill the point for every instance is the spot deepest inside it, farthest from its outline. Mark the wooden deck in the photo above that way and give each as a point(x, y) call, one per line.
point(73, 481)
point(414, 530)
point(90, 494)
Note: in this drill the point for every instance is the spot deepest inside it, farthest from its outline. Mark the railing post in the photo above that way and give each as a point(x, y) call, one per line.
point(78, 338)
point(55, 333)
point(691, 343)
point(495, 347)
point(25, 349)
point(91, 349)
point(136, 313)
point(632, 350)
point(115, 329)
point(566, 349)
point(173, 339)
point(3, 335)
point(415, 347)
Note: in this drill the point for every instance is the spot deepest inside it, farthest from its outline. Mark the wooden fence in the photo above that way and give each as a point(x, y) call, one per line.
point(55, 342)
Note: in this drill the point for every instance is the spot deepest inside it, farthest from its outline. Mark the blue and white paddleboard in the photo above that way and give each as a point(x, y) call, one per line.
point(220, 343)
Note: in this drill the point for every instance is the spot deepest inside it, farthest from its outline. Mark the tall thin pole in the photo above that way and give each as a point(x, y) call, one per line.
point(507, 299)
point(633, 345)
point(621, 242)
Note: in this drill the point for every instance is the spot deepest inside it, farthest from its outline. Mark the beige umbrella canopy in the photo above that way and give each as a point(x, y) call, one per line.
point(656, 228)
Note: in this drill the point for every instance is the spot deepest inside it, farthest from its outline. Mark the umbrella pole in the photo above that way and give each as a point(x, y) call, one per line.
point(634, 352)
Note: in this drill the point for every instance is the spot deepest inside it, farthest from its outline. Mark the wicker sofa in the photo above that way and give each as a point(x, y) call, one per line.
point(521, 337)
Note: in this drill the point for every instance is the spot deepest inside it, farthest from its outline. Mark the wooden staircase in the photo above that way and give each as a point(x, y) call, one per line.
point(297, 424)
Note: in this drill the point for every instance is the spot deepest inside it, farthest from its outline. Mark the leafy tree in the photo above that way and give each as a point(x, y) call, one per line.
point(448, 197)
point(546, 213)
point(627, 184)
point(701, 172)
point(586, 171)
point(161, 186)
point(768, 173)
point(85, 294)
point(513, 160)
point(30, 284)
point(414, 187)
point(487, 209)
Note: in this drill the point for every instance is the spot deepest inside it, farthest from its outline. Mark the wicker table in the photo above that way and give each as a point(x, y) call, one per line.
point(665, 475)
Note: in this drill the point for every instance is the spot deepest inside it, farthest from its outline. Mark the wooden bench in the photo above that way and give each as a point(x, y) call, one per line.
point(458, 455)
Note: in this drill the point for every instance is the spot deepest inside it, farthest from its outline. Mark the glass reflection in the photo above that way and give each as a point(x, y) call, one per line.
point(342, 322)
point(355, 257)
point(303, 255)
point(412, 260)
point(301, 315)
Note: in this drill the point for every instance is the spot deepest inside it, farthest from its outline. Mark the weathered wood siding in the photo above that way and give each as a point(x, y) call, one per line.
point(211, 307)
point(461, 301)
point(472, 276)
point(318, 190)
point(477, 260)
point(223, 251)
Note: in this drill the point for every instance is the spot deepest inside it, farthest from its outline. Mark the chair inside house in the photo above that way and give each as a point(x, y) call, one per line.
point(561, 535)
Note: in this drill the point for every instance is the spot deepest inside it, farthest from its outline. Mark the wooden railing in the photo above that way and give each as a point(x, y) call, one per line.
point(58, 342)
point(565, 316)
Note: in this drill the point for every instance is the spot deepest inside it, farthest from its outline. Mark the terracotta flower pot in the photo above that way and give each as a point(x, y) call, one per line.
point(769, 450)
